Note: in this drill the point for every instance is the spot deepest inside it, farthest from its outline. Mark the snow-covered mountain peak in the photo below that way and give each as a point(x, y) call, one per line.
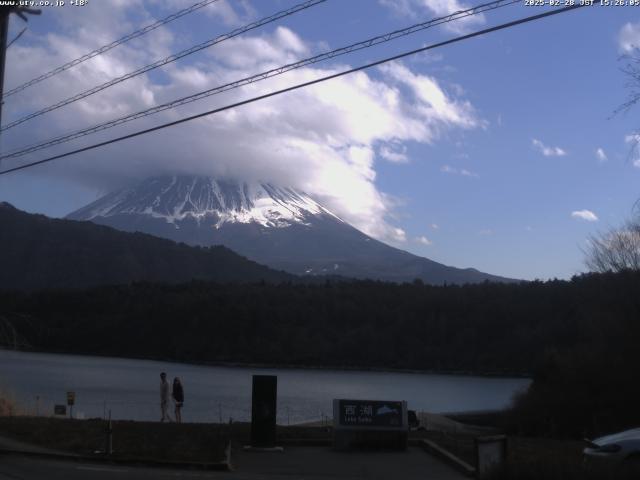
point(273, 225)
point(176, 198)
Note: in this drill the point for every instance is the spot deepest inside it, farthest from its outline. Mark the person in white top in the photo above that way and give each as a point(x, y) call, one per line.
point(164, 397)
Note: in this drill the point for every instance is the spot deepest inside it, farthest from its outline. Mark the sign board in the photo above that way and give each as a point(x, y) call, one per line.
point(370, 414)
point(263, 411)
point(71, 398)
point(491, 455)
point(59, 409)
point(370, 424)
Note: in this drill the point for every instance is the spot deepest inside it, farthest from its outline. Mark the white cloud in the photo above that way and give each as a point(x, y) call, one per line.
point(435, 226)
point(587, 215)
point(416, 9)
point(260, 51)
point(394, 154)
point(429, 101)
point(485, 232)
point(428, 57)
point(240, 13)
point(629, 37)
point(602, 156)
point(424, 240)
point(633, 138)
point(548, 151)
point(398, 235)
point(322, 139)
point(455, 171)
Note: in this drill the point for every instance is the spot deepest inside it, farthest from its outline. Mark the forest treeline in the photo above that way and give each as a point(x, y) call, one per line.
point(579, 338)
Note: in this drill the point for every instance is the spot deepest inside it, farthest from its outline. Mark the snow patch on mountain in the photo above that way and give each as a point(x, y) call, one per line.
point(177, 198)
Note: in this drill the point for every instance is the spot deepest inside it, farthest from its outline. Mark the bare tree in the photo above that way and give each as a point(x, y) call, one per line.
point(615, 250)
point(618, 249)
point(631, 69)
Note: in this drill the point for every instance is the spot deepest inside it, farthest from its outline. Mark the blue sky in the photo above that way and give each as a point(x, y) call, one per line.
point(510, 173)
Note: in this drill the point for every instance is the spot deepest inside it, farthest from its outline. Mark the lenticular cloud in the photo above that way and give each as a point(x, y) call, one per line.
point(323, 140)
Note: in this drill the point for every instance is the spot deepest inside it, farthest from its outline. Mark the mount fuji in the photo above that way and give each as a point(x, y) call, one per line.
point(273, 225)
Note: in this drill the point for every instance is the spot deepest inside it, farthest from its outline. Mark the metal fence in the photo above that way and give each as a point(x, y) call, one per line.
point(209, 412)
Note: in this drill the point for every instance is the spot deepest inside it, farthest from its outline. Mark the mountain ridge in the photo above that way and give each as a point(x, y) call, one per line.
point(38, 252)
point(273, 225)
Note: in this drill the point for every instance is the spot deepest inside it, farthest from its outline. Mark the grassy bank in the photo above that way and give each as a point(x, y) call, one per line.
point(527, 458)
point(193, 442)
point(8, 405)
point(139, 440)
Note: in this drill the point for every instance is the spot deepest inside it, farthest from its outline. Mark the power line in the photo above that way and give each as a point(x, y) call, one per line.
point(259, 77)
point(106, 48)
point(166, 61)
point(296, 87)
point(15, 39)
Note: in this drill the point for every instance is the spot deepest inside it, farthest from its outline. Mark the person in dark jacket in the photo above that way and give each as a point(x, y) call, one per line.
point(178, 398)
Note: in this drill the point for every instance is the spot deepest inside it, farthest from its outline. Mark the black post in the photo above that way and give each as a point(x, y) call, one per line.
point(4, 31)
point(263, 411)
point(109, 446)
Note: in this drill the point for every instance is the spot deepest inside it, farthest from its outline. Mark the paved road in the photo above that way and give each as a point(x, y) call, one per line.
point(308, 463)
point(18, 446)
point(317, 463)
point(15, 467)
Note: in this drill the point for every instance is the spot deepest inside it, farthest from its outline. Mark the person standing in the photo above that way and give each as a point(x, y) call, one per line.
point(164, 397)
point(178, 398)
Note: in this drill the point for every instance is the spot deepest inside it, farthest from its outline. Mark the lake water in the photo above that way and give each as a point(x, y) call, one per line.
point(130, 388)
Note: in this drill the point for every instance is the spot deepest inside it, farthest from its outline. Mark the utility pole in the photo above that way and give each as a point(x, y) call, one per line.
point(4, 30)
point(5, 13)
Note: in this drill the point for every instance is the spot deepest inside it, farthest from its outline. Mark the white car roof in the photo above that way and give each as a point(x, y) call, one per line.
point(633, 434)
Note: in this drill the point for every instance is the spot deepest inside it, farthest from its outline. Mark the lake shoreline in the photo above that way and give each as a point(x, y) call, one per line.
point(129, 387)
point(267, 366)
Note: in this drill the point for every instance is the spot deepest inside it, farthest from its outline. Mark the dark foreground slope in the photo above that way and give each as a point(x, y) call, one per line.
point(37, 252)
